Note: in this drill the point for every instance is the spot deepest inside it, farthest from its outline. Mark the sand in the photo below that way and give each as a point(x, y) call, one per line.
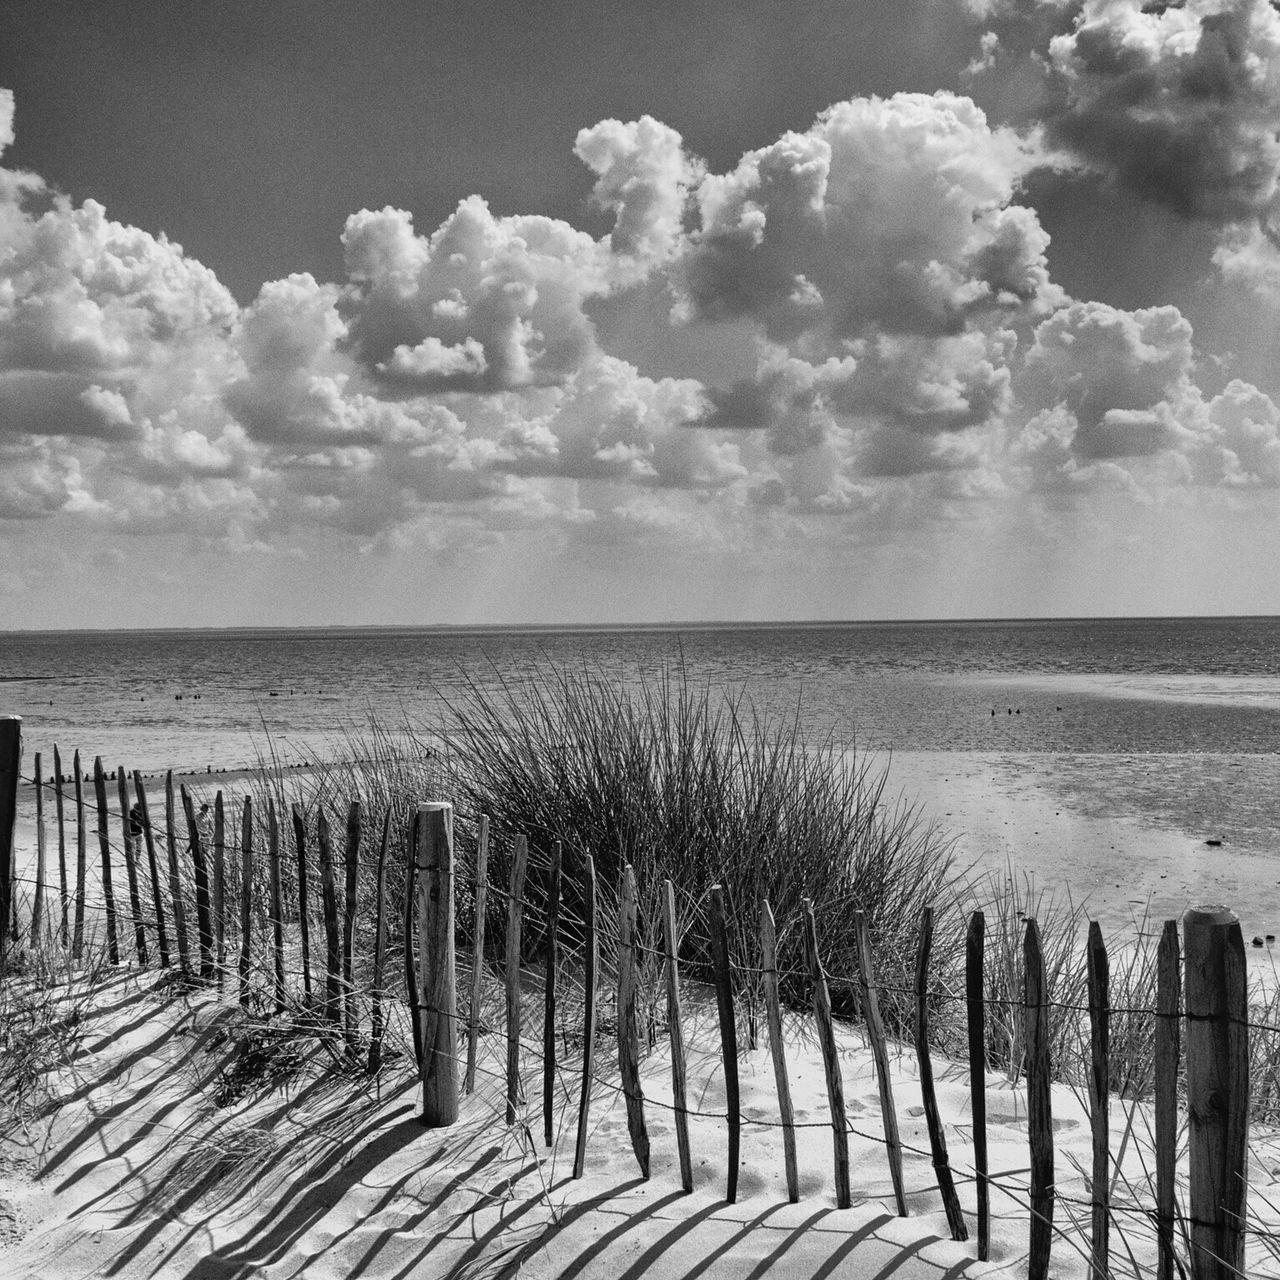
point(148, 1166)
point(143, 1164)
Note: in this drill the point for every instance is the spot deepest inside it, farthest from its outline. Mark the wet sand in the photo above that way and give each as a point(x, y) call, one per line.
point(1127, 834)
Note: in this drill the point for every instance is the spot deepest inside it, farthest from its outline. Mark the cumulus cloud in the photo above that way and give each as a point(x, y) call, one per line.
point(901, 352)
point(888, 214)
point(484, 304)
point(1174, 103)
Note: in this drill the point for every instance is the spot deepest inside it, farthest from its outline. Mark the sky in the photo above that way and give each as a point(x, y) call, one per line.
point(471, 312)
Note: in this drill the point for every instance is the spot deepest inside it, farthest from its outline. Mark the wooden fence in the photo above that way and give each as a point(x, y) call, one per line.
point(242, 896)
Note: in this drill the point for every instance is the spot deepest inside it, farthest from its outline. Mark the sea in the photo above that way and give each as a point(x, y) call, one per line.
point(1172, 724)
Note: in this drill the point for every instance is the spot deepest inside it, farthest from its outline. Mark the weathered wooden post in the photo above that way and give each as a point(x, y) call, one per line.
point(304, 923)
point(628, 1027)
point(975, 1001)
point(549, 997)
point(1039, 1104)
point(104, 849)
point(379, 949)
point(148, 835)
point(246, 898)
point(438, 983)
point(515, 915)
point(867, 989)
point(59, 803)
point(37, 910)
point(175, 877)
point(82, 861)
point(481, 901)
point(728, 1033)
point(10, 765)
point(352, 867)
point(777, 1046)
point(590, 963)
point(928, 1096)
point(1099, 970)
point(130, 844)
point(333, 941)
point(1168, 1047)
point(1217, 1089)
point(830, 1056)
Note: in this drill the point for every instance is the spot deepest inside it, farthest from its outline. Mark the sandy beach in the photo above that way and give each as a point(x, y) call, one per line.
point(151, 1166)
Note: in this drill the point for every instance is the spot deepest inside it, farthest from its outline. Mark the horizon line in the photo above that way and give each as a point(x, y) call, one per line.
point(705, 624)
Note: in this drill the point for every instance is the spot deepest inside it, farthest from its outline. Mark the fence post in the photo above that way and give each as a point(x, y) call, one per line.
point(728, 1032)
point(777, 1047)
point(481, 901)
point(628, 1031)
point(438, 985)
point(1217, 1089)
point(1039, 1104)
point(975, 1000)
point(928, 1095)
point(549, 998)
point(10, 765)
point(511, 974)
point(590, 963)
point(104, 849)
point(1168, 1052)
point(675, 1032)
point(37, 911)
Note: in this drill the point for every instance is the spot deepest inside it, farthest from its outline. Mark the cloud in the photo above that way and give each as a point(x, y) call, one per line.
point(643, 176)
point(900, 356)
point(1177, 102)
point(1174, 103)
point(888, 214)
point(485, 304)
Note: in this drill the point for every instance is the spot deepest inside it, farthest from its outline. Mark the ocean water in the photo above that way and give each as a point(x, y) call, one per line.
point(192, 700)
point(1102, 755)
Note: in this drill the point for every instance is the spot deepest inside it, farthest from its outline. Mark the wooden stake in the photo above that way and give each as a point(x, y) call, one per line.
point(1039, 1105)
point(59, 807)
point(200, 865)
point(549, 1001)
point(379, 949)
point(37, 910)
point(830, 1057)
point(728, 1033)
point(1217, 1089)
point(246, 897)
point(82, 861)
point(937, 1139)
point(157, 894)
point(351, 1018)
point(333, 944)
point(1168, 1052)
point(1100, 1097)
point(220, 887)
point(628, 1026)
point(675, 1032)
point(777, 1047)
point(591, 960)
point(477, 950)
point(104, 850)
point(410, 969)
point(515, 913)
point(304, 904)
point(131, 868)
point(880, 1052)
point(10, 771)
point(975, 1002)
point(277, 902)
point(439, 980)
point(175, 879)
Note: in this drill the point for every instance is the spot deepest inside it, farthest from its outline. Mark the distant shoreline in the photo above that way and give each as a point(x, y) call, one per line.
point(607, 628)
